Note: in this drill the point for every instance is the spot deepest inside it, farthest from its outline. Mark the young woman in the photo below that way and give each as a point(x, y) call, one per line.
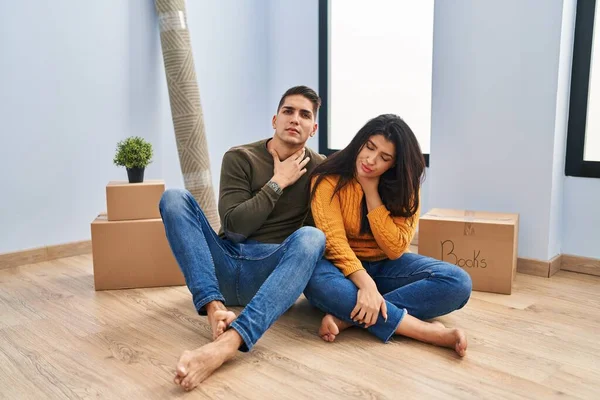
point(365, 198)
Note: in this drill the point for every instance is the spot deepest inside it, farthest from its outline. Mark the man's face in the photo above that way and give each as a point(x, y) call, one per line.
point(295, 123)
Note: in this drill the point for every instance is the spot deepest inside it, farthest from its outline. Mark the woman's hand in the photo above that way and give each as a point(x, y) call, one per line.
point(368, 300)
point(369, 185)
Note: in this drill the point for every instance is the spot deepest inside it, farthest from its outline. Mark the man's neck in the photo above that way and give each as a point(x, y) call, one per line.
point(283, 149)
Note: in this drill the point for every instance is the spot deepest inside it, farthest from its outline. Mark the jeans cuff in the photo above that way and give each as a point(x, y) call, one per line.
point(204, 301)
point(403, 313)
point(247, 345)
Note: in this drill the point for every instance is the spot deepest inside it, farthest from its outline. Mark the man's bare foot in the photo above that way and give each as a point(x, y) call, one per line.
point(197, 365)
point(331, 327)
point(219, 318)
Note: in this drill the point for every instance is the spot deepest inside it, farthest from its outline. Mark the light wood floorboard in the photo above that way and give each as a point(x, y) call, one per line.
point(59, 339)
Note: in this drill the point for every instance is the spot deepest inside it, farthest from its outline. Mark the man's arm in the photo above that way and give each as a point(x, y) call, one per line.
point(241, 213)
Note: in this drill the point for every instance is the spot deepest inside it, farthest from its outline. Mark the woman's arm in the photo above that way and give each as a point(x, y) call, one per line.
point(392, 234)
point(327, 215)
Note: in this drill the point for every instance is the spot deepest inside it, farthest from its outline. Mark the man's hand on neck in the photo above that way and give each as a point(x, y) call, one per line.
point(287, 172)
point(284, 150)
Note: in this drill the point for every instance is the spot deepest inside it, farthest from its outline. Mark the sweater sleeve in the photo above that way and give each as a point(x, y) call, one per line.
point(242, 214)
point(327, 214)
point(392, 234)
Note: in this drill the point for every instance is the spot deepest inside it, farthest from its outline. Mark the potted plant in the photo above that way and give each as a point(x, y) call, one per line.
point(134, 153)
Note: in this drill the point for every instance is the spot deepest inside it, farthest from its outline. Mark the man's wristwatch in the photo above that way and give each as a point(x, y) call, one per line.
point(275, 187)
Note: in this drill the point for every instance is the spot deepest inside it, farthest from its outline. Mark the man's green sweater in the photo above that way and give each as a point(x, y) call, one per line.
point(249, 209)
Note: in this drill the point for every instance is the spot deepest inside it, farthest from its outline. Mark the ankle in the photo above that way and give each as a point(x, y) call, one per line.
point(231, 339)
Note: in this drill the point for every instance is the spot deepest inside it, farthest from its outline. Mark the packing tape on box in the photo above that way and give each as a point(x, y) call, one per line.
point(469, 218)
point(469, 229)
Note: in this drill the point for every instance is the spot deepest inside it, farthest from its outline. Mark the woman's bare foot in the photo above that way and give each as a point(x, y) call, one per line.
point(197, 365)
point(453, 338)
point(435, 333)
point(331, 327)
point(219, 318)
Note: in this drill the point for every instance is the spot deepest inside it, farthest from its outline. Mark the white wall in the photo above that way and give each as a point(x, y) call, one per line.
point(65, 101)
point(501, 92)
point(77, 77)
point(495, 80)
point(580, 212)
point(293, 47)
point(232, 66)
point(581, 217)
point(72, 88)
point(560, 128)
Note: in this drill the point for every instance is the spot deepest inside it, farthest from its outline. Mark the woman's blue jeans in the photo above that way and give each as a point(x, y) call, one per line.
point(420, 286)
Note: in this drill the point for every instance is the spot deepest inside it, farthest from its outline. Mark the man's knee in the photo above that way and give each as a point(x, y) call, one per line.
point(310, 241)
point(172, 200)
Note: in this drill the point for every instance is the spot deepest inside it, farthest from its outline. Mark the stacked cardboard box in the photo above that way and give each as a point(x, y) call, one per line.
point(484, 244)
point(129, 246)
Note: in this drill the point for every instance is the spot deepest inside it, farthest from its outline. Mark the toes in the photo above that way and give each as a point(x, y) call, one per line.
point(230, 318)
point(181, 369)
point(328, 337)
point(460, 349)
point(189, 382)
point(220, 328)
point(186, 383)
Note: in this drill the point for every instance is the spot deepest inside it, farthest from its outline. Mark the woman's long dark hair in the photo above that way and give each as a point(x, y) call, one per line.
point(398, 186)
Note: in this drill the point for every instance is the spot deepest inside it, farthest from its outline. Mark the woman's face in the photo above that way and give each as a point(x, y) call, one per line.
point(376, 156)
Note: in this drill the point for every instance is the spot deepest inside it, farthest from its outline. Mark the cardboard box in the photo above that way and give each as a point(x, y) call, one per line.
point(482, 243)
point(132, 254)
point(131, 201)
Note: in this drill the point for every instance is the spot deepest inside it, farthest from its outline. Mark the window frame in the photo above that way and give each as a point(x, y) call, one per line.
point(575, 164)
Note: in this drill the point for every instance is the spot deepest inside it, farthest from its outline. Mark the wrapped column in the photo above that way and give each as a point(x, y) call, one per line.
point(186, 109)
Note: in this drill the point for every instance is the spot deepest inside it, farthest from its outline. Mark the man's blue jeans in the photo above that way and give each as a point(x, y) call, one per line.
point(266, 278)
point(424, 287)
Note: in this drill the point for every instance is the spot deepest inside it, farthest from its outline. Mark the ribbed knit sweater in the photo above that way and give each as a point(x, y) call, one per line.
point(339, 218)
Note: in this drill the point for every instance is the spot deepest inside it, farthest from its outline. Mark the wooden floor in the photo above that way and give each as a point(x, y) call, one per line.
point(59, 339)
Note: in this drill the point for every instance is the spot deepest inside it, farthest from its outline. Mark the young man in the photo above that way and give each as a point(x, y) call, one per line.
point(263, 257)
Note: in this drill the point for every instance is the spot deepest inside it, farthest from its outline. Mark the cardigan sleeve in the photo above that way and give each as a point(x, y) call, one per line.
point(392, 234)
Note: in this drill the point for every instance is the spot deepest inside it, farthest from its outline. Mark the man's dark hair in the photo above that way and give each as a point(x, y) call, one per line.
point(305, 91)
